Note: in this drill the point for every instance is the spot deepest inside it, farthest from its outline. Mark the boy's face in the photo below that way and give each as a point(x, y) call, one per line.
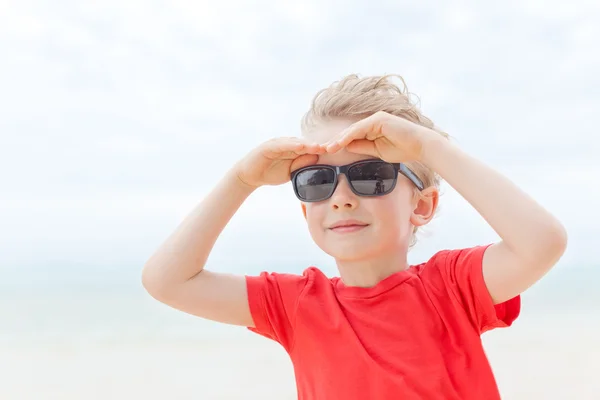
point(387, 220)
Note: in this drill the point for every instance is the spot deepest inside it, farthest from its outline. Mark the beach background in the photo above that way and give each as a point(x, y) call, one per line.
point(117, 343)
point(116, 118)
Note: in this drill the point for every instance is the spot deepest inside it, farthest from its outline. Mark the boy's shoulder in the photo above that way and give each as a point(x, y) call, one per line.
point(454, 256)
point(291, 282)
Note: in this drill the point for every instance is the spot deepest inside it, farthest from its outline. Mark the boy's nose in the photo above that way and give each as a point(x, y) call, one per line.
point(343, 198)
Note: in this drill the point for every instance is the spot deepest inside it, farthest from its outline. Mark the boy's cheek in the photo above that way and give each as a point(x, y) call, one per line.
point(315, 219)
point(314, 213)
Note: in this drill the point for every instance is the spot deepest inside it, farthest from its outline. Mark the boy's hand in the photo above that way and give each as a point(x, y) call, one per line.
point(385, 136)
point(272, 162)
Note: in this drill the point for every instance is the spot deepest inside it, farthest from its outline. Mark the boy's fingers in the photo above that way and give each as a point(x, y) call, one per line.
point(291, 148)
point(344, 138)
point(363, 146)
point(356, 131)
point(304, 161)
point(287, 144)
point(333, 145)
point(300, 146)
point(370, 127)
point(313, 148)
point(337, 138)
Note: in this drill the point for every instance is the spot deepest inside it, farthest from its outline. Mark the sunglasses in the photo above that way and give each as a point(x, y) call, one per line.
point(366, 178)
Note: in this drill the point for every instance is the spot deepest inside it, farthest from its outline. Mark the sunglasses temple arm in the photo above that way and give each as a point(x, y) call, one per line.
point(412, 176)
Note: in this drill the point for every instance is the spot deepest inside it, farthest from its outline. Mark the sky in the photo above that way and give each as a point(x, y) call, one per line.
point(118, 117)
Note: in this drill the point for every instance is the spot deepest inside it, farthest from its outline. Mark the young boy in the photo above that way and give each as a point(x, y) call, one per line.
point(367, 173)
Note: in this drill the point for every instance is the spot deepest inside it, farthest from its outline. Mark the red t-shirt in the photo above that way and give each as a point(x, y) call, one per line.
point(415, 335)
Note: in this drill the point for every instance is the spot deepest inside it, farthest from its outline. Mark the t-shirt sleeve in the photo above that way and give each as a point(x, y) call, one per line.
point(461, 274)
point(273, 300)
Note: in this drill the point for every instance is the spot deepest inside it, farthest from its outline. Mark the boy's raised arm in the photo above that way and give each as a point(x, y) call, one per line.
point(532, 240)
point(175, 273)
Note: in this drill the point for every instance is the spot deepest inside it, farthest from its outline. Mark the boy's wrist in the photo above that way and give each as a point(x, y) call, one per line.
point(432, 146)
point(234, 180)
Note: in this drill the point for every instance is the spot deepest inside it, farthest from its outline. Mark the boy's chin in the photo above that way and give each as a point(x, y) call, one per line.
point(351, 252)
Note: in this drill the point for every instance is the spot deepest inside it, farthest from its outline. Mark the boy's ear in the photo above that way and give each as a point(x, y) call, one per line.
point(303, 209)
point(425, 206)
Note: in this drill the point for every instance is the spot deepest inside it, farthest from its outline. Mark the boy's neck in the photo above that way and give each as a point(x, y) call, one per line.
point(368, 273)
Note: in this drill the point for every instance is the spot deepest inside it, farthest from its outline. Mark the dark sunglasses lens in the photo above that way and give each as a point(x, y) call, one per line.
point(372, 178)
point(315, 184)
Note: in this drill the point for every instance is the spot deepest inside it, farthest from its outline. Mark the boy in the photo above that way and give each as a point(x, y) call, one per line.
point(367, 173)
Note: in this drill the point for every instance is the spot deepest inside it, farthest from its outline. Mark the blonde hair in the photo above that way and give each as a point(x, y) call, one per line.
point(355, 98)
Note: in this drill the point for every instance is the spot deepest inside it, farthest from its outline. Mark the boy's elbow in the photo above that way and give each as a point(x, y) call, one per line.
point(554, 242)
point(562, 239)
point(152, 283)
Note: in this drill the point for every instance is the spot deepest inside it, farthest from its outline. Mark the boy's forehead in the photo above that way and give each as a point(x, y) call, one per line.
point(327, 130)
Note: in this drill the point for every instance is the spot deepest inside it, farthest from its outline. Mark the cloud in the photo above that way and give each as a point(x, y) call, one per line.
point(120, 116)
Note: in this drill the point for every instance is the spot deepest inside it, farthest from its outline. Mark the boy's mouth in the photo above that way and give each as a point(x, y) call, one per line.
point(348, 226)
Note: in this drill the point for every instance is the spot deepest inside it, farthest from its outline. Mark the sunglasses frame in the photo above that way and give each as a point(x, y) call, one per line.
point(343, 169)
